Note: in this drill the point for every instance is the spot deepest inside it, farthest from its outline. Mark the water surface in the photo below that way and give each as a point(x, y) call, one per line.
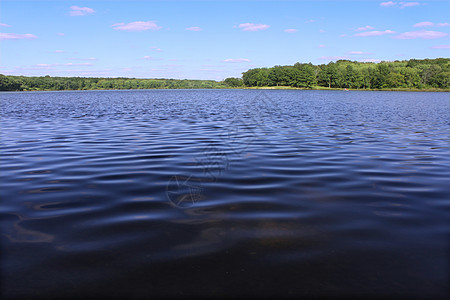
point(176, 193)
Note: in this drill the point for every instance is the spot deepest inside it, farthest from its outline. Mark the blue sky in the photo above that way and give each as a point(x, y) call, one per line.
point(211, 39)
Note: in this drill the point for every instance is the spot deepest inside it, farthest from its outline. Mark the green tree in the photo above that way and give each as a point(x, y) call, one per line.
point(411, 76)
point(256, 77)
point(8, 84)
point(395, 80)
point(381, 75)
point(303, 75)
point(233, 82)
point(429, 73)
point(328, 75)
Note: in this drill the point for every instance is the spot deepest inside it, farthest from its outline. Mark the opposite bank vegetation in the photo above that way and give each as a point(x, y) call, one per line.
point(414, 74)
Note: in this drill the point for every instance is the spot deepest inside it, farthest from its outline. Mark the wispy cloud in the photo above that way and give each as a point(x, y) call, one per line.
point(17, 36)
point(441, 47)
point(76, 11)
point(59, 51)
point(211, 70)
point(4, 25)
point(237, 60)
point(77, 58)
point(147, 57)
point(364, 28)
point(310, 21)
point(253, 27)
point(78, 64)
point(333, 57)
point(290, 30)
point(60, 34)
point(194, 28)
point(66, 64)
point(388, 3)
point(52, 70)
point(421, 34)
point(430, 24)
point(137, 26)
point(45, 65)
point(321, 46)
point(358, 53)
point(423, 24)
point(374, 33)
point(399, 4)
point(156, 49)
point(374, 60)
point(408, 4)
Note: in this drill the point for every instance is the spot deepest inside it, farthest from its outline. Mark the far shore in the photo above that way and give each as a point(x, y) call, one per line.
point(317, 88)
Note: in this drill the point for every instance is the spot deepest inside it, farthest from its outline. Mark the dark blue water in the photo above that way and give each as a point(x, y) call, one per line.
point(224, 193)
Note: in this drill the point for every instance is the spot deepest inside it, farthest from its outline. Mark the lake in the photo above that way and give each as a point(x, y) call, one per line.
point(225, 193)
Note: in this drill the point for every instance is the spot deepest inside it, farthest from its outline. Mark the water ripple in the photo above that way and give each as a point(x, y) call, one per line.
point(224, 193)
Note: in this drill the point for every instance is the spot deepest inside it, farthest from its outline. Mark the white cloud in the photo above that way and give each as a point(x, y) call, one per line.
point(66, 64)
point(408, 4)
point(423, 24)
point(137, 26)
point(399, 4)
point(195, 28)
point(253, 27)
point(78, 64)
point(59, 51)
point(364, 28)
point(358, 53)
point(374, 33)
point(290, 30)
point(333, 57)
point(211, 70)
point(430, 24)
point(76, 58)
point(387, 4)
point(441, 47)
point(156, 49)
point(80, 11)
point(4, 25)
point(421, 34)
point(60, 34)
point(237, 60)
point(16, 36)
point(374, 60)
point(321, 46)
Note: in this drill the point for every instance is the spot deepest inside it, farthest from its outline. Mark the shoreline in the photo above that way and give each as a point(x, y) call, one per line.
point(347, 89)
point(257, 88)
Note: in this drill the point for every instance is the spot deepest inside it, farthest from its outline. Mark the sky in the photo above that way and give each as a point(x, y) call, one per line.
point(212, 39)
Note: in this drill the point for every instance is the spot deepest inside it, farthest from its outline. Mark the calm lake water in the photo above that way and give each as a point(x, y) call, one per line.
point(176, 193)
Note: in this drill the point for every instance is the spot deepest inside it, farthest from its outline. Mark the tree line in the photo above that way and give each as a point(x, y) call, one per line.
point(412, 74)
point(409, 74)
point(43, 83)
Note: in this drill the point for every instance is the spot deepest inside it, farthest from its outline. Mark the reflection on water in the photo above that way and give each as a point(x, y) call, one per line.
point(175, 193)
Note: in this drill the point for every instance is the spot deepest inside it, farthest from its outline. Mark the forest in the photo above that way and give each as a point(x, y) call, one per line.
point(414, 74)
point(47, 83)
point(411, 74)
